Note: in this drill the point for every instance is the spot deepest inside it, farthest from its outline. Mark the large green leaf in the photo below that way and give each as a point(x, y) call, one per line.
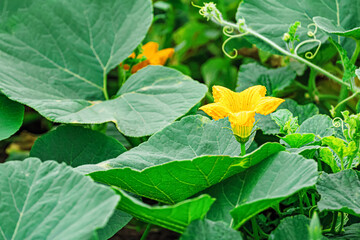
point(333, 27)
point(11, 117)
point(50, 201)
point(206, 152)
point(55, 55)
point(209, 230)
point(272, 18)
point(292, 228)
point(70, 144)
point(274, 80)
point(340, 191)
point(174, 217)
point(260, 187)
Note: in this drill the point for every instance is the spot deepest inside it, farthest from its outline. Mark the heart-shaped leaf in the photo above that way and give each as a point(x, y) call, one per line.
point(55, 56)
point(206, 152)
point(50, 201)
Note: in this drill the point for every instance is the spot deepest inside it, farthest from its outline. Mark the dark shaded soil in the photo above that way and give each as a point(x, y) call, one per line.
point(155, 234)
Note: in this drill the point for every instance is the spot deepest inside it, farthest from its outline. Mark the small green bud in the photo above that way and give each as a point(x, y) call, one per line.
point(286, 37)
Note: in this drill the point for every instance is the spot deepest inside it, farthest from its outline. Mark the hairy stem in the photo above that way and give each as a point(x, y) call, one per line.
point(243, 149)
point(285, 52)
point(355, 55)
point(333, 225)
point(345, 100)
point(312, 83)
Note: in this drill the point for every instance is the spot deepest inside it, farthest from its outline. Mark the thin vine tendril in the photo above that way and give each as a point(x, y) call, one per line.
point(310, 55)
point(227, 30)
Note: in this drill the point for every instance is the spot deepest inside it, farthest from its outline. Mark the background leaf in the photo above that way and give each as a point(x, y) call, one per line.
point(70, 144)
point(219, 71)
point(311, 125)
point(11, 117)
point(50, 201)
point(303, 112)
point(274, 80)
point(292, 228)
point(272, 18)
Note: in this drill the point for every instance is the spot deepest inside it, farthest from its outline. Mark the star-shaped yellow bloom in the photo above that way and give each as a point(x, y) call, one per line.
point(241, 107)
point(153, 56)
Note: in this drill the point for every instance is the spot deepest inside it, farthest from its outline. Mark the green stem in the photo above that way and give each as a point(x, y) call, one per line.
point(105, 86)
point(345, 100)
point(350, 162)
point(327, 97)
point(302, 86)
point(301, 203)
point(341, 222)
point(243, 149)
point(342, 163)
point(255, 228)
point(146, 232)
point(307, 200)
point(312, 83)
point(333, 226)
point(355, 55)
point(313, 200)
point(344, 93)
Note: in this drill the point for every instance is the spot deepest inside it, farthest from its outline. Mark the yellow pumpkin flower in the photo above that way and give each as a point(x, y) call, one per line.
point(241, 107)
point(153, 56)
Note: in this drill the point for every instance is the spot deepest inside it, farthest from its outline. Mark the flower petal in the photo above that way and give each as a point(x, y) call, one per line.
point(227, 97)
point(242, 123)
point(268, 105)
point(161, 56)
point(215, 110)
point(139, 66)
point(243, 118)
point(251, 96)
point(149, 50)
